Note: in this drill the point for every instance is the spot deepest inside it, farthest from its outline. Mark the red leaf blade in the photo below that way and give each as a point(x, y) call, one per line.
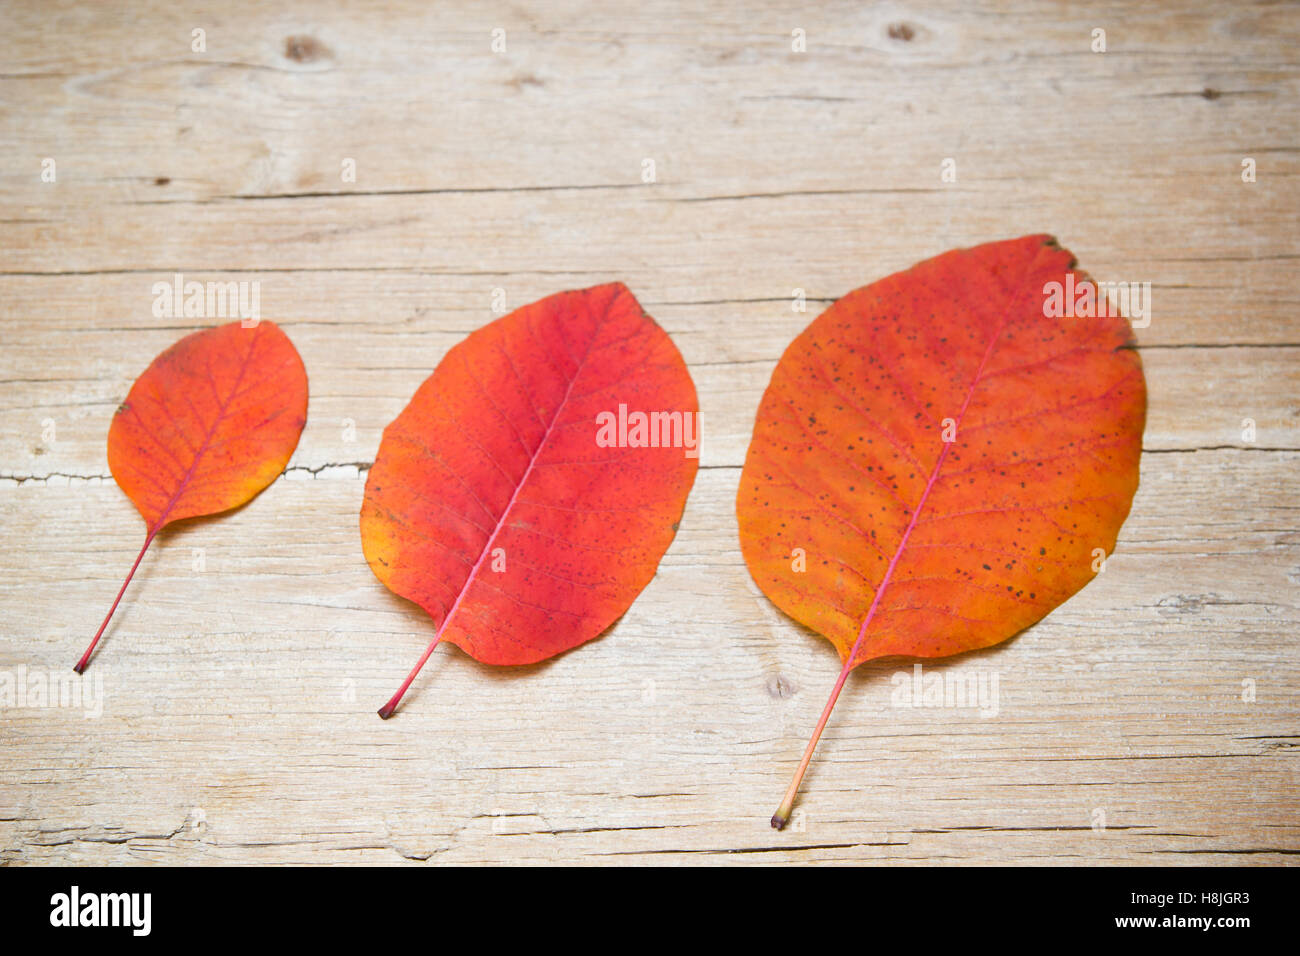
point(493, 505)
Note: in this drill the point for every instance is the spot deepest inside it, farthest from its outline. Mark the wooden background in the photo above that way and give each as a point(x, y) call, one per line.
point(238, 711)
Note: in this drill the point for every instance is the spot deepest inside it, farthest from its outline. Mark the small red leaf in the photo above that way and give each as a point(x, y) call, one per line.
point(499, 505)
point(210, 423)
point(950, 459)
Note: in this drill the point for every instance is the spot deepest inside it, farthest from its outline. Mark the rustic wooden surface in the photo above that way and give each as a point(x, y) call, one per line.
point(238, 703)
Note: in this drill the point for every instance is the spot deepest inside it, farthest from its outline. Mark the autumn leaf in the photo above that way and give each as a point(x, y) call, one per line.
point(941, 458)
point(526, 494)
point(210, 423)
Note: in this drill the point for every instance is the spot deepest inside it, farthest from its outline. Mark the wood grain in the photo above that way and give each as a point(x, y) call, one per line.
point(237, 713)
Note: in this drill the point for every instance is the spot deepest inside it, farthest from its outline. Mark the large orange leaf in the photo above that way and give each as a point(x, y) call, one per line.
point(503, 503)
point(210, 423)
point(936, 463)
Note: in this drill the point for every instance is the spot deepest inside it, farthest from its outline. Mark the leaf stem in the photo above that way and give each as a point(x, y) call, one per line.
point(387, 710)
point(85, 658)
point(782, 815)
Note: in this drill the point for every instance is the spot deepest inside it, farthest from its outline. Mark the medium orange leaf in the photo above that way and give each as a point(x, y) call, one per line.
point(500, 500)
point(951, 462)
point(210, 423)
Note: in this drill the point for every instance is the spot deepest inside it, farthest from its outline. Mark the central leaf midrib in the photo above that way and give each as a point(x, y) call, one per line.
point(934, 474)
point(514, 496)
point(207, 439)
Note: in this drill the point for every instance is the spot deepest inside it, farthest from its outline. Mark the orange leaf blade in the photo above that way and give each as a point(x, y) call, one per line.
point(919, 545)
point(212, 421)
